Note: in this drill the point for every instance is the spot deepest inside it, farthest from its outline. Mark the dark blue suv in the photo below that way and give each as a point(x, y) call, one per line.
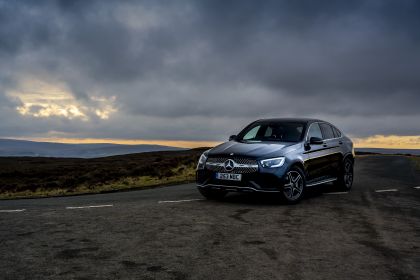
point(278, 156)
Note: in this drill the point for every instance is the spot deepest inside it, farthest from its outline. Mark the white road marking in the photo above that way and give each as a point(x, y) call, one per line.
point(89, 206)
point(417, 187)
point(336, 193)
point(99, 206)
point(177, 201)
point(388, 190)
point(12, 211)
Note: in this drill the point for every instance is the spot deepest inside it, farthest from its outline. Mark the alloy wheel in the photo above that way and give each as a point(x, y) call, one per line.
point(294, 188)
point(348, 173)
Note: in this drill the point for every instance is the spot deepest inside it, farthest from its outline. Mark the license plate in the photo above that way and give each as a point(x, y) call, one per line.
point(229, 176)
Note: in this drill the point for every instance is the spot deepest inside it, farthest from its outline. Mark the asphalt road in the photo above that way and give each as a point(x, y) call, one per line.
point(170, 233)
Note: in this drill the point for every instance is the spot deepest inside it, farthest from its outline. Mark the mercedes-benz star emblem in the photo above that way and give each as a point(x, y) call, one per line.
point(229, 165)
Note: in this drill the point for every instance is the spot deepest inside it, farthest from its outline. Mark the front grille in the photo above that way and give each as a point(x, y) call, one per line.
point(241, 165)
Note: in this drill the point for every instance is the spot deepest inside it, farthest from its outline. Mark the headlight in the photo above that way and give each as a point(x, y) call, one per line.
point(272, 162)
point(202, 161)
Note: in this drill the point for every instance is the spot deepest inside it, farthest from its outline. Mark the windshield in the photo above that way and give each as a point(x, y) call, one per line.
point(272, 131)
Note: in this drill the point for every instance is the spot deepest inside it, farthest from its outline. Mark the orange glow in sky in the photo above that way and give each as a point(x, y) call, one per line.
point(388, 142)
point(172, 143)
point(377, 141)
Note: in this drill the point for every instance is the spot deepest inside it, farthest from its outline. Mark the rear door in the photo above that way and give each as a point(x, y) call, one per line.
point(332, 151)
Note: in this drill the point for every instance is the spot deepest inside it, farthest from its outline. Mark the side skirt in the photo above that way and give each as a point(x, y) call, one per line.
point(320, 182)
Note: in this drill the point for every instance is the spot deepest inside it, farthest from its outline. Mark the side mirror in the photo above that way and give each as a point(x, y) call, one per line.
point(315, 140)
point(232, 137)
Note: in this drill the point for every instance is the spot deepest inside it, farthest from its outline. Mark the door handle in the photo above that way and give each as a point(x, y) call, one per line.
point(324, 145)
point(340, 142)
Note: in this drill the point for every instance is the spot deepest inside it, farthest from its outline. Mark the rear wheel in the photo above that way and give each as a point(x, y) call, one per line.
point(294, 188)
point(212, 194)
point(346, 176)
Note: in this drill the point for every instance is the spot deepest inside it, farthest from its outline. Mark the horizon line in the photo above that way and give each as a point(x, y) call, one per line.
point(117, 141)
point(376, 141)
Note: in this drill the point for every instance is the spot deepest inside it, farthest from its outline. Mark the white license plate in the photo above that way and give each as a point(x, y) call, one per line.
point(229, 176)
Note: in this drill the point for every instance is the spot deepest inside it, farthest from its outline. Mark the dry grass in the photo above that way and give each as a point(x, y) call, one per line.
point(44, 177)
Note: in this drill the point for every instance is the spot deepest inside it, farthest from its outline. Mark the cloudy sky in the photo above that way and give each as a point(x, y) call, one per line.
point(201, 70)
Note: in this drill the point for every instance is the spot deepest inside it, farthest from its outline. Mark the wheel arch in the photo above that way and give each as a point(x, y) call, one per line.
point(299, 164)
point(348, 156)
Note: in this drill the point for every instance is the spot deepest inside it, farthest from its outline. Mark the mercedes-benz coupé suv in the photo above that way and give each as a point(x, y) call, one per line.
point(283, 156)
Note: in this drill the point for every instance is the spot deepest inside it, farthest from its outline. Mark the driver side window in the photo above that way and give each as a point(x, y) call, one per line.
point(252, 134)
point(314, 131)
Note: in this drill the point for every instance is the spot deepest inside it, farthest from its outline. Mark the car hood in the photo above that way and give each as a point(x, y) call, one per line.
point(252, 149)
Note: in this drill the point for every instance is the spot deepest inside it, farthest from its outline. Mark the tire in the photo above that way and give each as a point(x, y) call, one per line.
point(294, 189)
point(346, 175)
point(212, 194)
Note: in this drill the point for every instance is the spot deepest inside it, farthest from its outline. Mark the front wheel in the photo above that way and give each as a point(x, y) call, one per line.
point(346, 176)
point(294, 188)
point(212, 194)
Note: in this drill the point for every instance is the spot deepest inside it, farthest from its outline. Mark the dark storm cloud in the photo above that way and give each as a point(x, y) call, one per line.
point(199, 69)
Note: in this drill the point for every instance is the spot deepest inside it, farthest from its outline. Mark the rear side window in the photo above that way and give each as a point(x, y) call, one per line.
point(337, 132)
point(314, 131)
point(327, 131)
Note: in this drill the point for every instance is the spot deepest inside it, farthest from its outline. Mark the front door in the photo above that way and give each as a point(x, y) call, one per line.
point(317, 162)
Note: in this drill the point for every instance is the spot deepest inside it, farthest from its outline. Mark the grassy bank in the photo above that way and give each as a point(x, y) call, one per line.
point(43, 177)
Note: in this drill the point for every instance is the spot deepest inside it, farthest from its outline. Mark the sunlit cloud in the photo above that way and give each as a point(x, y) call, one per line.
point(106, 106)
point(41, 99)
point(50, 110)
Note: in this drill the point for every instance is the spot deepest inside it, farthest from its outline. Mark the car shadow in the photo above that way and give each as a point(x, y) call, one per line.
point(273, 198)
point(253, 198)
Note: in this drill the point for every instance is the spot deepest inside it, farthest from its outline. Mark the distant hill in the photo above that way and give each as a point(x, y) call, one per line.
point(388, 151)
point(22, 148)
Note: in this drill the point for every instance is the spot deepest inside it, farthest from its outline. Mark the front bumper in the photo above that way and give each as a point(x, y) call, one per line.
point(270, 182)
point(236, 188)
